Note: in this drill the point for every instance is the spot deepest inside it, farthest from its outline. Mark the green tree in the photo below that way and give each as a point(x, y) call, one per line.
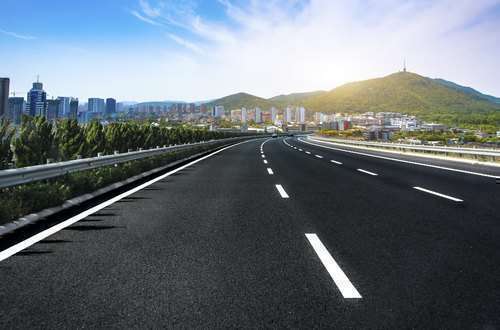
point(95, 141)
point(6, 134)
point(35, 143)
point(69, 139)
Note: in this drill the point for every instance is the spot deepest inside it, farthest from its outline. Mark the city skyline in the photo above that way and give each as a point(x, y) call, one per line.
point(192, 51)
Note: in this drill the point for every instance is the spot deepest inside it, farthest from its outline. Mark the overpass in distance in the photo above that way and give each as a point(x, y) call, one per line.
point(283, 232)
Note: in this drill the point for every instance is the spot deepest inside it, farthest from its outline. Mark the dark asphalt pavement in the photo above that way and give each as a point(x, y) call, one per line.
point(216, 246)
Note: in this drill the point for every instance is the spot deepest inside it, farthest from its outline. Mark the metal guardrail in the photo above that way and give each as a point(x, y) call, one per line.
point(455, 151)
point(14, 177)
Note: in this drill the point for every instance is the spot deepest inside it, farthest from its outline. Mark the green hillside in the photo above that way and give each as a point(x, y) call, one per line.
point(239, 100)
point(468, 90)
point(294, 98)
point(408, 93)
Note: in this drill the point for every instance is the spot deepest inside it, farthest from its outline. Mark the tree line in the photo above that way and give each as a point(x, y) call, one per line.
point(38, 140)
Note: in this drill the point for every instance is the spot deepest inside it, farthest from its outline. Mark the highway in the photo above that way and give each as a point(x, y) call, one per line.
point(270, 234)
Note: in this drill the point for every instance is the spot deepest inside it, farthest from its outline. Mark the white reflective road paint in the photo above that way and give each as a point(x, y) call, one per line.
point(366, 172)
point(339, 277)
point(265, 161)
point(282, 191)
point(458, 200)
point(335, 162)
point(318, 156)
point(270, 171)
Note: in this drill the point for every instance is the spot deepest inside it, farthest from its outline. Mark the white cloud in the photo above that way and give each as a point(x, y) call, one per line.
point(183, 42)
point(17, 35)
point(270, 47)
point(278, 46)
point(144, 18)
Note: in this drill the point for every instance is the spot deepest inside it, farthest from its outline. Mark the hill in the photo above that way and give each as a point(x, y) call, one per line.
point(408, 93)
point(239, 100)
point(468, 90)
point(294, 98)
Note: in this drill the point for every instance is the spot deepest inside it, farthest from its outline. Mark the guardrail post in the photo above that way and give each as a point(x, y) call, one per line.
point(100, 154)
point(116, 152)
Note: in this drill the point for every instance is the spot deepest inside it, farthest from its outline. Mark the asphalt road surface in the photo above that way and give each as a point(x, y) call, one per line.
point(280, 234)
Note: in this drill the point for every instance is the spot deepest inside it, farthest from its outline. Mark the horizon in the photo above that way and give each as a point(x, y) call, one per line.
point(144, 50)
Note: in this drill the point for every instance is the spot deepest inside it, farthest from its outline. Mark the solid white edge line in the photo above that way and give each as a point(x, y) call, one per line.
point(439, 194)
point(282, 191)
point(367, 172)
point(402, 160)
point(339, 277)
point(335, 162)
point(270, 171)
point(52, 230)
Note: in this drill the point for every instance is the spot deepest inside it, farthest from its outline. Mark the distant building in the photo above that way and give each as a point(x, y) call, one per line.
point(274, 114)
point(319, 117)
point(266, 116)
point(236, 115)
point(95, 105)
point(36, 104)
point(218, 111)
point(16, 109)
point(258, 115)
point(110, 106)
point(4, 96)
point(244, 115)
point(95, 109)
point(432, 127)
point(64, 103)
point(73, 109)
point(301, 115)
point(288, 115)
point(53, 109)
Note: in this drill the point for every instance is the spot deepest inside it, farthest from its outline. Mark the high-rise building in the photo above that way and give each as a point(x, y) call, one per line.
point(53, 109)
point(288, 115)
point(110, 106)
point(244, 115)
point(73, 109)
point(16, 109)
point(36, 104)
point(95, 105)
point(218, 111)
point(258, 115)
point(4, 96)
point(274, 114)
point(64, 107)
point(301, 115)
point(95, 109)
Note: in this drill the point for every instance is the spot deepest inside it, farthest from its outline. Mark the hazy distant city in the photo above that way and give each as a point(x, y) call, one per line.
point(367, 125)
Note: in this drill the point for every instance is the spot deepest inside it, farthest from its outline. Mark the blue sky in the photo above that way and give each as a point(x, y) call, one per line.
point(196, 50)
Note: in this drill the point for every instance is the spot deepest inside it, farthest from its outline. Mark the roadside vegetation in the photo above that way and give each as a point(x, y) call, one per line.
point(38, 140)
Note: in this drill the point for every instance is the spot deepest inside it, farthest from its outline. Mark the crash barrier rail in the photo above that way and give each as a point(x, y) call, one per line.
point(18, 176)
point(490, 155)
